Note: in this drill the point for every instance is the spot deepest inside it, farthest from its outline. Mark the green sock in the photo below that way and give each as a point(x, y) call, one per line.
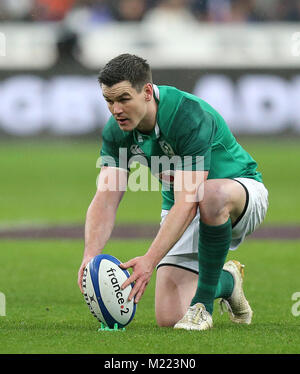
point(225, 285)
point(214, 243)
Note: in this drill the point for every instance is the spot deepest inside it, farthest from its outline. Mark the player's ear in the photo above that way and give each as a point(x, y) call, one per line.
point(148, 91)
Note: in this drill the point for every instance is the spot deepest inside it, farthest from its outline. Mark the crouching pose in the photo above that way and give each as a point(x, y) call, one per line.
point(212, 196)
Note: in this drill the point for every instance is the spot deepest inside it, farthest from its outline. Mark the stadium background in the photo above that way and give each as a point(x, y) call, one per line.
point(242, 56)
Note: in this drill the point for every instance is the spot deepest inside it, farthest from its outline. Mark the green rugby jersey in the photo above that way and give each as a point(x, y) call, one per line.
point(189, 132)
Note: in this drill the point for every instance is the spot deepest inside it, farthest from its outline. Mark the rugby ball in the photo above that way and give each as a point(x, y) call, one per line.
point(101, 283)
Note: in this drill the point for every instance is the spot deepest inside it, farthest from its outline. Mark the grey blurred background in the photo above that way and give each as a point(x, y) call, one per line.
point(243, 56)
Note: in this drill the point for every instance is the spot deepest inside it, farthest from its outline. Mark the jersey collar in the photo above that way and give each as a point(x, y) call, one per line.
point(156, 92)
point(140, 137)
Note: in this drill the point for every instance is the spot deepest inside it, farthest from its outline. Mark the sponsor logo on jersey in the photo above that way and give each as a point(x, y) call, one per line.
point(166, 148)
point(136, 150)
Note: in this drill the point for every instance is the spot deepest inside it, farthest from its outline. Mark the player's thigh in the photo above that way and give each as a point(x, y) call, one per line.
point(175, 288)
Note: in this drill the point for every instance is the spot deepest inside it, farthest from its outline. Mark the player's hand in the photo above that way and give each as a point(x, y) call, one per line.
point(85, 261)
point(142, 270)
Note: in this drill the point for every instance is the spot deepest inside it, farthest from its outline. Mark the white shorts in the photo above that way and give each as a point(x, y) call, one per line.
point(185, 252)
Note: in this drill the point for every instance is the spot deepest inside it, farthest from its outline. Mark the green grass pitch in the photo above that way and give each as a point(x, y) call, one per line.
point(46, 183)
point(53, 182)
point(46, 312)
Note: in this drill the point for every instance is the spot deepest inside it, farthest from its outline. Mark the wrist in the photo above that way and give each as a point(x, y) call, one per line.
point(152, 258)
point(90, 252)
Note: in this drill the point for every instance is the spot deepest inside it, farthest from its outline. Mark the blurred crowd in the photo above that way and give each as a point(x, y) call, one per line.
point(103, 11)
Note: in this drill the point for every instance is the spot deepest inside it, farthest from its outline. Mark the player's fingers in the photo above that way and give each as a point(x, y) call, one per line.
point(135, 290)
point(133, 277)
point(140, 293)
point(80, 276)
point(128, 264)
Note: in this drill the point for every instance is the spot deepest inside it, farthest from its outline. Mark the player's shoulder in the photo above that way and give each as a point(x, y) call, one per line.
point(177, 107)
point(171, 94)
point(111, 128)
point(174, 92)
point(111, 132)
point(176, 100)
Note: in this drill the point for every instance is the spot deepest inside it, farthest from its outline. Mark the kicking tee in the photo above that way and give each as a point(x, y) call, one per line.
point(189, 135)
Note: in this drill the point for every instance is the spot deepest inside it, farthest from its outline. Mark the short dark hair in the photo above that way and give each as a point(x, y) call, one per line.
point(126, 67)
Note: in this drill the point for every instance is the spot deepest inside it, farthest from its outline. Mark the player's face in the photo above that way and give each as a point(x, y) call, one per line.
point(128, 106)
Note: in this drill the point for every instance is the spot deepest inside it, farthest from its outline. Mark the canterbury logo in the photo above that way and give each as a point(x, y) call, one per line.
point(136, 150)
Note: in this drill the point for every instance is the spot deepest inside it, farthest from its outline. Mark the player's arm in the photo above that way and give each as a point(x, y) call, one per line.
point(100, 217)
point(193, 130)
point(187, 193)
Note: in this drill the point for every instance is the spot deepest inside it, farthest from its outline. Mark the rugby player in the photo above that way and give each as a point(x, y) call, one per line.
point(213, 198)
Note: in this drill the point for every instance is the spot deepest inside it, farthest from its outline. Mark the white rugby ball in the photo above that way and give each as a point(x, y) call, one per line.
point(101, 283)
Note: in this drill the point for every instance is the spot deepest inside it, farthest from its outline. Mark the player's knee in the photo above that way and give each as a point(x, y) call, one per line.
point(165, 320)
point(167, 314)
point(215, 202)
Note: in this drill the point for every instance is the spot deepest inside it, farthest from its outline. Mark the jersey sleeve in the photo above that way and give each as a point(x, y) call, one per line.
point(194, 129)
point(112, 153)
